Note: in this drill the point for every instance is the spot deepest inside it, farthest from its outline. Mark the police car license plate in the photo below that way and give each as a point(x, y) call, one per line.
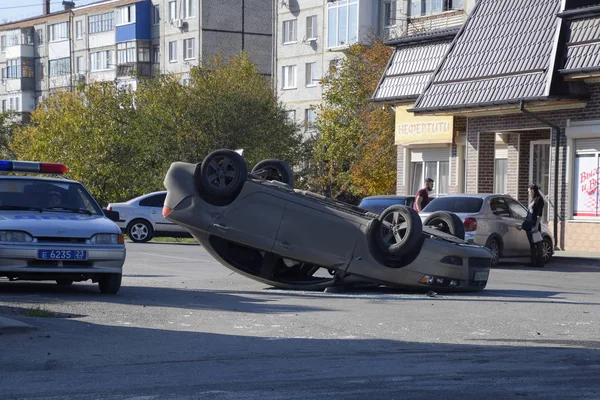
point(481, 276)
point(62, 255)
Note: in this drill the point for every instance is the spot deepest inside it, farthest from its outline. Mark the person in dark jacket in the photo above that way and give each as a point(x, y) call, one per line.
point(533, 223)
point(422, 196)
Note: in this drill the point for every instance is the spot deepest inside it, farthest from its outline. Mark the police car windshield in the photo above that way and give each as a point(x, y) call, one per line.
point(46, 196)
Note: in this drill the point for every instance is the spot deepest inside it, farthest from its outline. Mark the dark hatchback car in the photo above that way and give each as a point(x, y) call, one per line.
point(376, 204)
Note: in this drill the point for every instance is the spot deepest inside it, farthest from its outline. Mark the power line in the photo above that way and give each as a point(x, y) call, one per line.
point(27, 6)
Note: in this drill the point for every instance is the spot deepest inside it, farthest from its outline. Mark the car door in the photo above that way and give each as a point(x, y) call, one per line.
point(152, 208)
point(504, 225)
point(519, 213)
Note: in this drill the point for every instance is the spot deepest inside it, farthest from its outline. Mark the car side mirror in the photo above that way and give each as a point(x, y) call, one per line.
point(112, 215)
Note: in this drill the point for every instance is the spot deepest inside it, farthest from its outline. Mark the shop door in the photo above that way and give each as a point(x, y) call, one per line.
point(539, 170)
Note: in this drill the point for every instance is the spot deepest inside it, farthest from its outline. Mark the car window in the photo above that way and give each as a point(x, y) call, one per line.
point(378, 205)
point(157, 200)
point(499, 207)
point(455, 204)
point(517, 209)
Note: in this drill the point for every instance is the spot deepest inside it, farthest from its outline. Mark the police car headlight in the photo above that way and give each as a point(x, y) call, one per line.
point(108, 238)
point(15, 236)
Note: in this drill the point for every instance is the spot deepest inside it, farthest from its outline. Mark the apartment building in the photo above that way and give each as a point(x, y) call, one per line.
point(122, 40)
point(312, 35)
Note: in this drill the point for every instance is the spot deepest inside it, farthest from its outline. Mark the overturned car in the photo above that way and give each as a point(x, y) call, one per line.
point(258, 225)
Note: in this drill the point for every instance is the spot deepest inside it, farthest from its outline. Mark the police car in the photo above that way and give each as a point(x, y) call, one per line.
point(51, 228)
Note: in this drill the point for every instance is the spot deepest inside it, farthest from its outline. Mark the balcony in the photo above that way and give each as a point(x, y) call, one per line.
point(134, 69)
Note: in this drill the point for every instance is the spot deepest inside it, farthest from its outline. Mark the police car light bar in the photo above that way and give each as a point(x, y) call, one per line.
point(31, 166)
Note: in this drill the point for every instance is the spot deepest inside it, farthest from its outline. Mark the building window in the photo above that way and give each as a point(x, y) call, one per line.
point(291, 115)
point(289, 77)
point(172, 10)
point(342, 23)
point(126, 15)
point(309, 118)
point(4, 106)
point(79, 65)
point(58, 31)
point(78, 29)
point(418, 8)
point(156, 14)
point(311, 27)
point(61, 66)
point(126, 52)
point(28, 69)
point(439, 171)
point(101, 60)
point(189, 49)
point(39, 37)
point(143, 54)
point(289, 31)
point(189, 8)
point(156, 54)
point(3, 43)
point(311, 74)
point(585, 190)
point(172, 51)
point(500, 175)
point(389, 13)
point(101, 23)
point(13, 69)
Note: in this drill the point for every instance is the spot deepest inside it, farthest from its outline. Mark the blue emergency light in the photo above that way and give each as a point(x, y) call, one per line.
point(32, 166)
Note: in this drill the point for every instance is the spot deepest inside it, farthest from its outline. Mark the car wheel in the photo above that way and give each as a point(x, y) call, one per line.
point(546, 250)
point(399, 230)
point(110, 283)
point(64, 282)
point(446, 222)
point(140, 231)
point(274, 170)
point(221, 176)
point(494, 246)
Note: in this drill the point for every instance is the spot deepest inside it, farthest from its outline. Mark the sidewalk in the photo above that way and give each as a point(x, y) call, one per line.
point(8, 326)
point(578, 258)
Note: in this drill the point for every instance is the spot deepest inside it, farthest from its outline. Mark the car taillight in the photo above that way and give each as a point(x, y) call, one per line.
point(166, 211)
point(109, 208)
point(470, 224)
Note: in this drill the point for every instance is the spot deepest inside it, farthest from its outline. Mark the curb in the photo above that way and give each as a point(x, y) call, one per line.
point(592, 261)
point(11, 326)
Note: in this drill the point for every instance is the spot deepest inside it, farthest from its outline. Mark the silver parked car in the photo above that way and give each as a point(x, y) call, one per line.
point(493, 221)
point(141, 218)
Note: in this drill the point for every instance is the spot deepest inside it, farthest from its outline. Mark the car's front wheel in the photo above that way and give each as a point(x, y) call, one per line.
point(110, 283)
point(399, 230)
point(140, 231)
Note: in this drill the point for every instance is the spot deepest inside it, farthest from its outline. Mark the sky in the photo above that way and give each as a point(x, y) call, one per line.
point(14, 10)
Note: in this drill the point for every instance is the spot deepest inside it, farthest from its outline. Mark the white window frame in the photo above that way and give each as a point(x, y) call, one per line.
point(58, 32)
point(172, 5)
point(156, 53)
point(101, 22)
point(389, 13)
point(156, 14)
point(189, 49)
point(173, 52)
point(79, 30)
point(288, 77)
point(417, 182)
point(312, 27)
point(62, 66)
point(189, 9)
point(126, 52)
point(335, 12)
point(80, 67)
point(577, 182)
point(290, 31)
point(310, 116)
point(125, 15)
point(311, 74)
point(101, 60)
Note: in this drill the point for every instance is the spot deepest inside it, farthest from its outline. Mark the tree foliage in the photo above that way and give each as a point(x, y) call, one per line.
point(355, 153)
point(120, 143)
point(9, 121)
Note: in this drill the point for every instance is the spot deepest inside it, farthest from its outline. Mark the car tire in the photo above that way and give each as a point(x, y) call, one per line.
point(495, 247)
point(398, 231)
point(446, 222)
point(546, 250)
point(274, 170)
point(110, 283)
point(140, 231)
point(64, 282)
point(220, 177)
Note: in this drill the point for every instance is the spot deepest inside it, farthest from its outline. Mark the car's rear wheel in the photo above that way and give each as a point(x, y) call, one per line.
point(64, 282)
point(546, 250)
point(399, 230)
point(274, 170)
point(221, 176)
point(110, 283)
point(494, 245)
point(446, 222)
point(140, 231)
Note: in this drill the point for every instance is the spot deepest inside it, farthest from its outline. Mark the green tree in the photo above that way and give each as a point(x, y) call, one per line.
point(9, 122)
point(355, 152)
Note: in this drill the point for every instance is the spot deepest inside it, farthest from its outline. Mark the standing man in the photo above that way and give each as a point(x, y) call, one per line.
point(422, 196)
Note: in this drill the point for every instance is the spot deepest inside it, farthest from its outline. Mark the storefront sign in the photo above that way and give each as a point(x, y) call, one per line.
point(411, 129)
point(586, 192)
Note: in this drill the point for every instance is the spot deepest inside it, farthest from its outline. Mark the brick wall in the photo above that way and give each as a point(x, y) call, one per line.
point(513, 163)
point(400, 181)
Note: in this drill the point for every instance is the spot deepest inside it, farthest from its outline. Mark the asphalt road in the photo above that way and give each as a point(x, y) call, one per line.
point(184, 327)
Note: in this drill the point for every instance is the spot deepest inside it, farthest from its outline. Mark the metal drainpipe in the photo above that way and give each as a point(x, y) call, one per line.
point(556, 131)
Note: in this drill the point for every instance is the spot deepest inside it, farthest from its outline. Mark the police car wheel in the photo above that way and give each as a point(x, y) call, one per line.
point(110, 283)
point(140, 231)
point(64, 282)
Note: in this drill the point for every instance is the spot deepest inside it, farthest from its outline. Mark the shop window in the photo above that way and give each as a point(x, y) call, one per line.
point(585, 196)
point(500, 175)
point(439, 171)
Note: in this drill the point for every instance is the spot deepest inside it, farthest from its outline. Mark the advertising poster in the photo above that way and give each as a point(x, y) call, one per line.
point(586, 186)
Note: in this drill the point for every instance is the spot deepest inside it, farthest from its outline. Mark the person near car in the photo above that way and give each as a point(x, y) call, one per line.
point(533, 223)
point(422, 196)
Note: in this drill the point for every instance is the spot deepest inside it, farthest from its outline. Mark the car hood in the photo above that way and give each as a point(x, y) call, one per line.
point(57, 224)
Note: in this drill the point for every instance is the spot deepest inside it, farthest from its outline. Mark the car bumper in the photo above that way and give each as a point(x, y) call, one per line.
point(475, 238)
point(18, 259)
